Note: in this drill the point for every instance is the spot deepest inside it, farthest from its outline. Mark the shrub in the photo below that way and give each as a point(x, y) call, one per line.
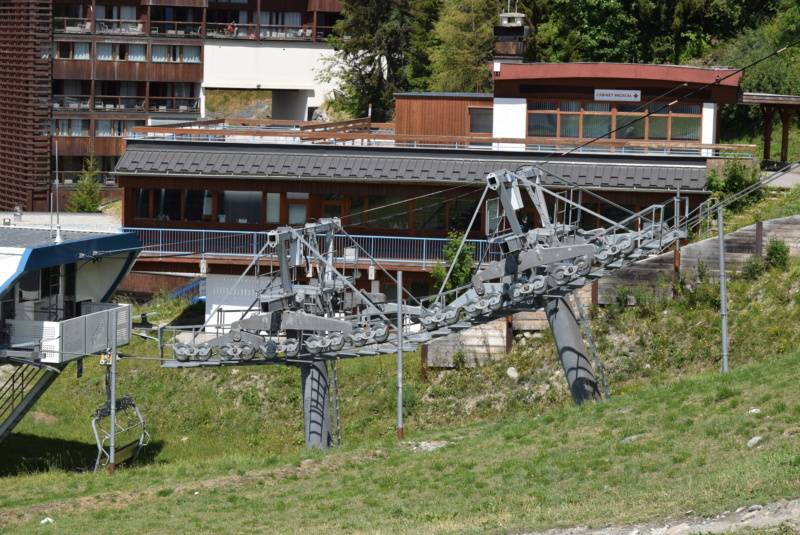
point(753, 268)
point(737, 175)
point(777, 254)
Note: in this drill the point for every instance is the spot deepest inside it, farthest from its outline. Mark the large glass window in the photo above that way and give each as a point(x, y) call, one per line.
point(273, 207)
point(461, 211)
point(239, 206)
point(430, 214)
point(356, 216)
point(624, 121)
point(167, 204)
point(388, 211)
point(142, 204)
point(197, 205)
point(480, 120)
point(686, 128)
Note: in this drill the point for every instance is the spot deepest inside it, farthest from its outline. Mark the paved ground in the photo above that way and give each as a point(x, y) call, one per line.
point(787, 180)
point(67, 221)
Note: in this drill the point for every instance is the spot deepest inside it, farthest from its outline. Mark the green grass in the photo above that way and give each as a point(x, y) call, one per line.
point(572, 466)
point(229, 103)
point(519, 457)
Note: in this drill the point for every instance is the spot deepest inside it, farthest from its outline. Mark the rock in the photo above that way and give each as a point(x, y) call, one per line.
point(753, 410)
point(753, 441)
point(631, 438)
point(754, 508)
point(512, 373)
point(680, 528)
point(748, 516)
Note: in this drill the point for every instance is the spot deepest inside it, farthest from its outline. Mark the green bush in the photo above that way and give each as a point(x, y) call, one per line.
point(777, 254)
point(737, 175)
point(753, 268)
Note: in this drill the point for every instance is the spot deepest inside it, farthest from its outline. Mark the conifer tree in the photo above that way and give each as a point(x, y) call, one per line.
point(465, 31)
point(86, 197)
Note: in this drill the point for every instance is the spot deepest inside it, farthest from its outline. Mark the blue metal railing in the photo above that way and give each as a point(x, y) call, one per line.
point(424, 252)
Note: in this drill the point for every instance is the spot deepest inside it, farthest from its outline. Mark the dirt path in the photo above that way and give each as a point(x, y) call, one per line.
point(785, 514)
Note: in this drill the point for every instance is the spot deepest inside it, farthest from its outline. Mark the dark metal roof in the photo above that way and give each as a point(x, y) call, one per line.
point(273, 161)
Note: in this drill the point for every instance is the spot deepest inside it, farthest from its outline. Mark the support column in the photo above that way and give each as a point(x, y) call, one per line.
point(769, 118)
point(572, 350)
point(316, 405)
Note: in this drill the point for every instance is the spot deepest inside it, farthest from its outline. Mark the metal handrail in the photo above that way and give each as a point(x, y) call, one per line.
point(403, 250)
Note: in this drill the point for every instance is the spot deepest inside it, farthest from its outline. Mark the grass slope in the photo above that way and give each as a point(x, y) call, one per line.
point(519, 456)
point(654, 452)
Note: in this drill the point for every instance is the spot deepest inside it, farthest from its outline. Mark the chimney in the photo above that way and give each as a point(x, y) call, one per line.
point(510, 34)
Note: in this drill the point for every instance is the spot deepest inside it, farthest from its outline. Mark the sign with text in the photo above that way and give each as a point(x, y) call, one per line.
point(618, 95)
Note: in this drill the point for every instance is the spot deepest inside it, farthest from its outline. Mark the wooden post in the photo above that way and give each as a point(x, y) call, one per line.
point(759, 238)
point(769, 117)
point(787, 114)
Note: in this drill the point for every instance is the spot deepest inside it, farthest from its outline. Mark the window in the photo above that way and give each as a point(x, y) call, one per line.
point(137, 53)
point(115, 127)
point(239, 207)
point(623, 121)
point(492, 214)
point(480, 120)
point(273, 207)
point(597, 119)
point(167, 204)
point(176, 53)
point(197, 205)
point(430, 214)
point(69, 50)
point(142, 204)
point(388, 211)
point(70, 127)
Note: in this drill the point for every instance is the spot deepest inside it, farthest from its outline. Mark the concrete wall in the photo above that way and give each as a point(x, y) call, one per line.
point(287, 68)
point(510, 119)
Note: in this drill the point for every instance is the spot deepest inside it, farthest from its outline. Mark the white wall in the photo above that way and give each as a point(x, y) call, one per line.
point(288, 68)
point(709, 125)
point(510, 120)
point(223, 290)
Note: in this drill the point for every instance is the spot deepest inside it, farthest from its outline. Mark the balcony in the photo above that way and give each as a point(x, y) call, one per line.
point(175, 104)
point(117, 102)
point(164, 28)
point(119, 27)
point(70, 102)
point(71, 25)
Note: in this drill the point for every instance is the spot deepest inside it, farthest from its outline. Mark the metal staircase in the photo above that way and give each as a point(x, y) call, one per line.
point(21, 391)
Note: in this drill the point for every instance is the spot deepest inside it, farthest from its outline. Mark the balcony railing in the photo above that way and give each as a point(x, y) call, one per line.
point(184, 30)
point(117, 102)
point(187, 104)
point(421, 252)
point(71, 102)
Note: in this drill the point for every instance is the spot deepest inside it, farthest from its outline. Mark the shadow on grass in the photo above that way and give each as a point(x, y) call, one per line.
point(27, 454)
point(194, 314)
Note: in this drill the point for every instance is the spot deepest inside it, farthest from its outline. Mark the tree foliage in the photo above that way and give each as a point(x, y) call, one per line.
point(464, 266)
point(465, 34)
point(371, 40)
point(388, 46)
point(86, 196)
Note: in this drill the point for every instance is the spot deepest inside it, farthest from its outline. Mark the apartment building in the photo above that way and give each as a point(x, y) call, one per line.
point(76, 77)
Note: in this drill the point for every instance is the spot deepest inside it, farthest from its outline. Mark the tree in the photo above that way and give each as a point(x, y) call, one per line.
point(465, 31)
point(86, 196)
point(371, 40)
point(464, 265)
